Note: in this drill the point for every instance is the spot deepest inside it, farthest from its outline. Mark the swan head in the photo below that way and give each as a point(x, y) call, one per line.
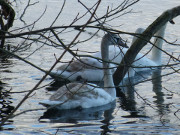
point(114, 39)
point(140, 30)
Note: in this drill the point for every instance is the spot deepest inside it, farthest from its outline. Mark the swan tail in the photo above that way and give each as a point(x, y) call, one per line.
point(65, 75)
point(48, 103)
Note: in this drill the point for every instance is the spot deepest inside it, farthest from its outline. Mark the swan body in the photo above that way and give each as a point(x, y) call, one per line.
point(80, 95)
point(77, 95)
point(90, 69)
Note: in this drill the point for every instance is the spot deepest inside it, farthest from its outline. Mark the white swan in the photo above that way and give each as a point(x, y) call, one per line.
point(79, 95)
point(90, 69)
point(143, 61)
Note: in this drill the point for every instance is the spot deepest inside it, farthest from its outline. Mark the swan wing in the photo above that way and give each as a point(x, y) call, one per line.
point(75, 95)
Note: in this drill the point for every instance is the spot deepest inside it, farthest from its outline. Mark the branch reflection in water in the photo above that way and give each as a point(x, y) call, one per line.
point(128, 103)
point(5, 97)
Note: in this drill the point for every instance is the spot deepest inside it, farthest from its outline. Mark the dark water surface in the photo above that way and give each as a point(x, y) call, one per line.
point(151, 107)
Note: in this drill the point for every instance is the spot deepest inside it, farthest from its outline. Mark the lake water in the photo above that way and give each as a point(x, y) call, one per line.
point(151, 107)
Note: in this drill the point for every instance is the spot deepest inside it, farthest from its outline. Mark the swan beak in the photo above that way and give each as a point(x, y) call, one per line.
point(172, 22)
point(120, 42)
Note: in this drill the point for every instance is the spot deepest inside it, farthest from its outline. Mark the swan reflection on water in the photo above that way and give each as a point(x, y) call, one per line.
point(75, 115)
point(129, 103)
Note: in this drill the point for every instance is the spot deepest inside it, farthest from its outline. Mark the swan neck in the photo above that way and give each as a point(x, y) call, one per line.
point(156, 50)
point(108, 80)
point(138, 31)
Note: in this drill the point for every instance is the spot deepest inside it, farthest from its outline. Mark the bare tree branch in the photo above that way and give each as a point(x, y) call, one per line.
point(139, 43)
point(30, 92)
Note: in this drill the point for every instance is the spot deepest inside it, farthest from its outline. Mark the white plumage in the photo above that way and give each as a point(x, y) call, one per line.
point(90, 69)
point(80, 95)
